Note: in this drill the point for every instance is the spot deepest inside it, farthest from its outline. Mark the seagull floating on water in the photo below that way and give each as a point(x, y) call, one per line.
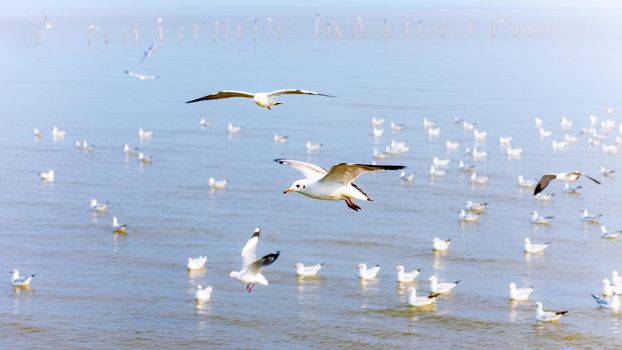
point(589, 218)
point(250, 273)
point(544, 197)
point(609, 234)
point(451, 145)
point(406, 277)
point(19, 281)
point(98, 207)
point(262, 99)
point(466, 168)
point(468, 216)
point(280, 139)
point(475, 207)
point(610, 289)
point(407, 177)
point(525, 183)
point(129, 150)
point(203, 123)
point(440, 245)
point(307, 271)
point(606, 173)
point(203, 295)
point(334, 184)
point(571, 176)
point(312, 147)
point(141, 76)
point(377, 121)
point(541, 220)
point(548, 316)
point(47, 176)
point(441, 288)
point(196, 263)
point(144, 159)
point(144, 134)
point(218, 185)
point(519, 294)
point(116, 228)
point(440, 163)
point(38, 134)
point(367, 274)
point(415, 301)
point(396, 127)
point(535, 247)
point(478, 179)
point(437, 172)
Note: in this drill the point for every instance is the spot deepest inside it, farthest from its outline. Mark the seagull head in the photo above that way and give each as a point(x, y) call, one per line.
point(297, 186)
point(299, 265)
point(361, 266)
point(399, 268)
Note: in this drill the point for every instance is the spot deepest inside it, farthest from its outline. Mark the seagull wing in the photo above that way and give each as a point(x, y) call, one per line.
point(248, 252)
point(345, 173)
point(591, 178)
point(295, 92)
point(310, 171)
point(264, 261)
point(544, 181)
point(223, 94)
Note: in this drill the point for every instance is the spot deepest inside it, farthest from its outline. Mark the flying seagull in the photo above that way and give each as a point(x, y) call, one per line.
point(141, 76)
point(262, 99)
point(150, 51)
point(250, 273)
point(334, 184)
point(571, 176)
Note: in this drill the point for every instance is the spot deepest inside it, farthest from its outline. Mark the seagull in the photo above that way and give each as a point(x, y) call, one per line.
point(414, 300)
point(466, 168)
point(571, 138)
point(437, 172)
point(451, 145)
point(468, 216)
point(440, 245)
point(609, 289)
point(523, 183)
point(197, 263)
point(130, 151)
point(116, 228)
point(541, 220)
point(571, 176)
point(37, 133)
point(20, 282)
point(377, 121)
point(468, 126)
point(380, 155)
point(334, 184)
point(57, 133)
point(566, 123)
point(434, 132)
point(590, 219)
point(144, 134)
point(219, 185)
point(377, 132)
point(609, 234)
point(144, 159)
point(548, 316)
point(307, 271)
point(150, 51)
point(280, 139)
point(367, 274)
point(535, 248)
point(427, 124)
point(232, 129)
point(141, 76)
point(613, 303)
point(505, 141)
point(478, 179)
point(262, 99)
point(475, 207)
point(407, 177)
point(476, 154)
point(439, 163)
point(603, 171)
point(544, 196)
point(513, 152)
point(396, 127)
point(47, 176)
point(616, 279)
point(312, 147)
point(559, 145)
point(480, 135)
point(203, 295)
point(519, 294)
point(538, 122)
point(545, 133)
point(441, 288)
point(98, 207)
point(203, 123)
point(572, 189)
point(406, 277)
point(250, 273)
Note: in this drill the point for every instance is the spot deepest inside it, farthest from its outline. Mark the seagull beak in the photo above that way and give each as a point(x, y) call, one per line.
point(288, 190)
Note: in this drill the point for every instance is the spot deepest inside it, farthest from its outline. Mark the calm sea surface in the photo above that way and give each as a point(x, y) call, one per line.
point(98, 291)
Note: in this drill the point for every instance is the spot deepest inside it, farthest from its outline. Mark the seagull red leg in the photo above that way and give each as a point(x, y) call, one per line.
point(352, 205)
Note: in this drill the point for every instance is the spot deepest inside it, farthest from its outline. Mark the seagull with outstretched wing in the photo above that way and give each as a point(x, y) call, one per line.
point(250, 273)
point(334, 184)
point(570, 176)
point(262, 99)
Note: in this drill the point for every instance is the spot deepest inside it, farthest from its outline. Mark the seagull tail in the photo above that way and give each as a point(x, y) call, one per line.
point(458, 281)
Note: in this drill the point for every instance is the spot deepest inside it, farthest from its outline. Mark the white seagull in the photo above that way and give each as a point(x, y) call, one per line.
point(541, 220)
point(250, 273)
point(20, 282)
point(129, 150)
point(116, 228)
point(262, 99)
point(465, 168)
point(377, 121)
point(505, 141)
point(203, 123)
point(534, 248)
point(144, 134)
point(367, 274)
point(407, 177)
point(415, 301)
point(280, 139)
point(468, 216)
point(150, 51)
point(38, 134)
point(144, 159)
point(440, 245)
point(609, 234)
point(406, 277)
point(610, 289)
point(475, 207)
point(525, 183)
point(519, 294)
point(218, 185)
point(232, 129)
point(196, 263)
point(47, 176)
point(437, 172)
point(312, 147)
point(141, 76)
point(442, 288)
point(548, 316)
point(440, 163)
point(451, 145)
point(203, 295)
point(307, 271)
point(334, 184)
point(98, 207)
point(478, 179)
point(606, 173)
point(590, 218)
point(571, 176)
